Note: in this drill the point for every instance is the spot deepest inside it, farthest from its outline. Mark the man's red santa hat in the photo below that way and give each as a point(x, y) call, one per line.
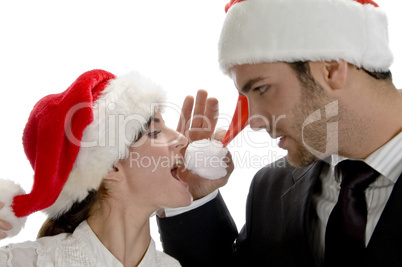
point(265, 31)
point(74, 138)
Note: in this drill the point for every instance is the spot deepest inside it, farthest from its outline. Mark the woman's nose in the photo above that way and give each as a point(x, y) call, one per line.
point(180, 141)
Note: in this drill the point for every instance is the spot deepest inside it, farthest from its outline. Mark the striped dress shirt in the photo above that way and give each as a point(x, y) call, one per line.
point(387, 160)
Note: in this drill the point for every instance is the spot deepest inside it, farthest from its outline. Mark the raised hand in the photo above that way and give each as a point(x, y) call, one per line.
point(201, 125)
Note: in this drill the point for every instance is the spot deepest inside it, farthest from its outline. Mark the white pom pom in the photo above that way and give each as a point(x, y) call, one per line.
point(8, 190)
point(206, 159)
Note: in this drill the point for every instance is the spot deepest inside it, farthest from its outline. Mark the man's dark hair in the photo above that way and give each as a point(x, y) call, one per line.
point(302, 70)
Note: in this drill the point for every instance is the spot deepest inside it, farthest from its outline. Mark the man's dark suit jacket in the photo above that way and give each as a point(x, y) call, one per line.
point(277, 230)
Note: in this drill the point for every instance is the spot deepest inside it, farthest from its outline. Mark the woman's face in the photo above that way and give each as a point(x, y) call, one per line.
point(151, 168)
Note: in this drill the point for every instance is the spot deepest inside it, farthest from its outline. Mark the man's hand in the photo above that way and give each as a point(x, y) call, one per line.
point(204, 119)
point(4, 225)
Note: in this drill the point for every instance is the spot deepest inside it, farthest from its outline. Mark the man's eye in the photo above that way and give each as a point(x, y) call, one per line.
point(154, 134)
point(261, 89)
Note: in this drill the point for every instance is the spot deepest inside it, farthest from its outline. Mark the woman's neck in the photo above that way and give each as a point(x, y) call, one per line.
point(124, 232)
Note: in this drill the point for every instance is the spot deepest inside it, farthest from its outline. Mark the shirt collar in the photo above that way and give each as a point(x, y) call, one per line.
point(102, 254)
point(149, 257)
point(386, 160)
point(84, 233)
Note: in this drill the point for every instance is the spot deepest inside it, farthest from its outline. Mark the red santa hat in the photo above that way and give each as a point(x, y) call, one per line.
point(72, 140)
point(264, 31)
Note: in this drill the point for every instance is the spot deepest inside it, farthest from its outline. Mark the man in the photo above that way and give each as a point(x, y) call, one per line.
point(323, 67)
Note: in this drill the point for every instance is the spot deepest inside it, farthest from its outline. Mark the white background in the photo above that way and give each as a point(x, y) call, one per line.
point(46, 45)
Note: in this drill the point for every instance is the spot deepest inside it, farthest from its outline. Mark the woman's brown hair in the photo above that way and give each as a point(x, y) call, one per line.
point(79, 212)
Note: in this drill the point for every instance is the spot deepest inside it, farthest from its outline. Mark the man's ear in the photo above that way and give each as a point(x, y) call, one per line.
point(117, 174)
point(336, 73)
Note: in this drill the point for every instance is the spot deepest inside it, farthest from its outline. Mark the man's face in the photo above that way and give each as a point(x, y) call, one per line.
point(280, 104)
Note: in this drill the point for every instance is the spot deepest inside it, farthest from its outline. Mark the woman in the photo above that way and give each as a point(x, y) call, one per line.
point(104, 162)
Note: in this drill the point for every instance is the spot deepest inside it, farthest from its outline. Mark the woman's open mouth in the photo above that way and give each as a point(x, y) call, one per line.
point(175, 172)
point(175, 168)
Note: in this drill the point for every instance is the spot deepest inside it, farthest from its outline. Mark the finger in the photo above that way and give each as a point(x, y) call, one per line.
point(185, 115)
point(230, 167)
point(211, 115)
point(219, 134)
point(229, 162)
point(199, 109)
point(3, 235)
point(5, 225)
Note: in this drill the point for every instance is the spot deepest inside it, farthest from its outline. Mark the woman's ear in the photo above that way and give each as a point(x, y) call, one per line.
point(336, 73)
point(117, 173)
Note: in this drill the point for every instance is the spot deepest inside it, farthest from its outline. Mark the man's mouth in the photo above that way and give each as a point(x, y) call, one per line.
point(275, 135)
point(282, 141)
point(282, 138)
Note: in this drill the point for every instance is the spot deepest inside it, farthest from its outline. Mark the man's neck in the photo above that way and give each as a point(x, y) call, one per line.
point(371, 119)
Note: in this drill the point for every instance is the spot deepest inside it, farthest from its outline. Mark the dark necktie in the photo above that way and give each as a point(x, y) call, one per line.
point(346, 228)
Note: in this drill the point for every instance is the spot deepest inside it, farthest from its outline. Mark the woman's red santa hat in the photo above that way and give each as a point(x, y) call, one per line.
point(266, 31)
point(72, 140)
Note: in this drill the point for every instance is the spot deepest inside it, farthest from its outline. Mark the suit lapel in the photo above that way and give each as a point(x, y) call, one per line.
point(385, 246)
point(296, 203)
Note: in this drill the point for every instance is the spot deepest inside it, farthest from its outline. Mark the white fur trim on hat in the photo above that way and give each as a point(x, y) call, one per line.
point(206, 159)
point(120, 115)
point(258, 31)
point(9, 190)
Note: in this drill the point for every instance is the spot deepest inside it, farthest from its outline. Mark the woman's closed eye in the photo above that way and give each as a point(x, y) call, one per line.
point(154, 134)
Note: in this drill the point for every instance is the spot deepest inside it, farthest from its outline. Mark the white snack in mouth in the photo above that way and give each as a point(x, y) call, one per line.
point(206, 158)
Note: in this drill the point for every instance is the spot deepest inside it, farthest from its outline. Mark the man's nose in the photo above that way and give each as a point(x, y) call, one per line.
point(257, 121)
